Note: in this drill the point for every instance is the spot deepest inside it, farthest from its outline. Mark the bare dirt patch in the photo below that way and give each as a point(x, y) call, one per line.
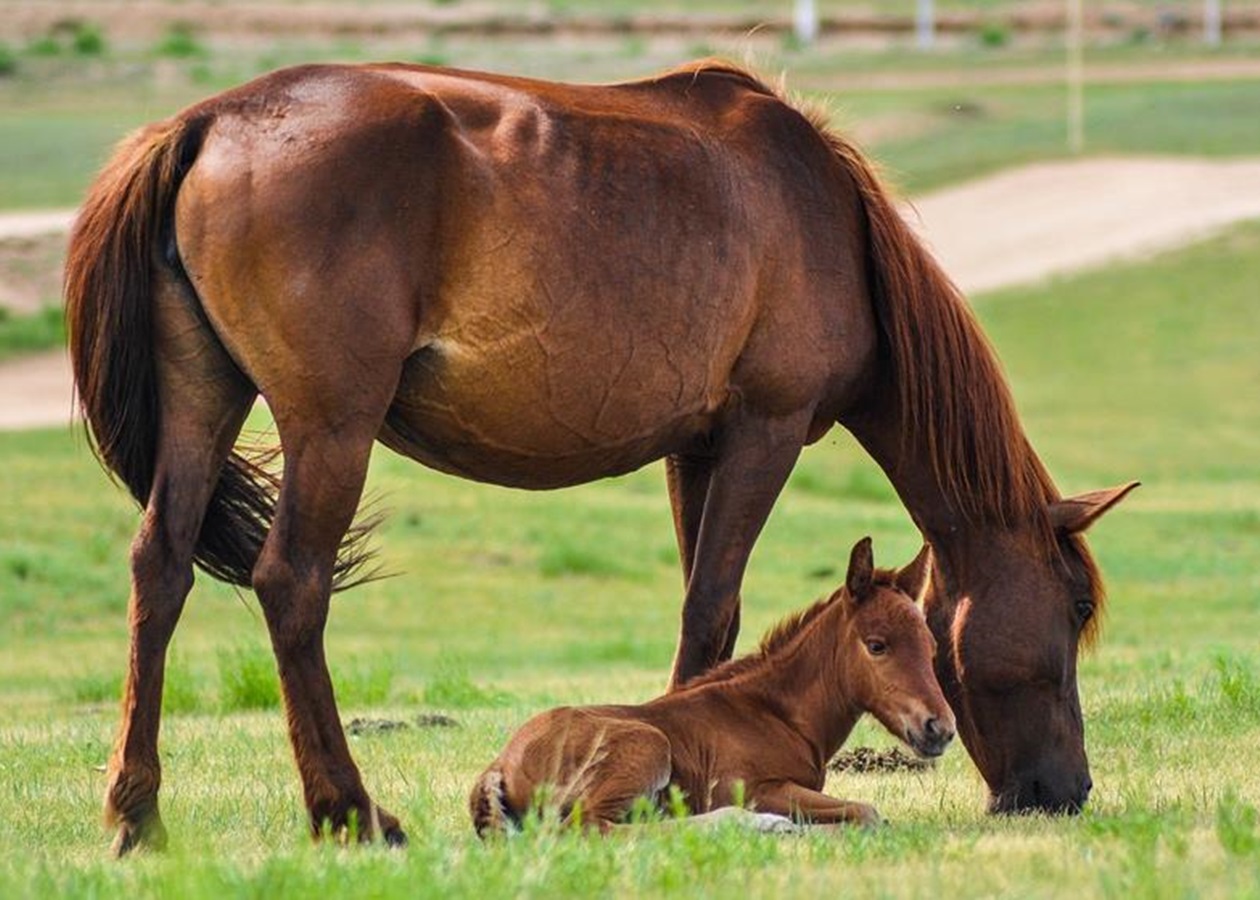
point(359, 727)
point(866, 760)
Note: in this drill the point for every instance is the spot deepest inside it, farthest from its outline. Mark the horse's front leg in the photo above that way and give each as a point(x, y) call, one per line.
point(802, 804)
point(754, 459)
point(323, 479)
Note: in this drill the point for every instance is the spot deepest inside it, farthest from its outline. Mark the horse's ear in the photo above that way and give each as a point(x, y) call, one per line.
point(861, 570)
point(913, 578)
point(1075, 514)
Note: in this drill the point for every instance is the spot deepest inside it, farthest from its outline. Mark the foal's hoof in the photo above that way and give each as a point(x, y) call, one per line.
point(867, 816)
point(148, 834)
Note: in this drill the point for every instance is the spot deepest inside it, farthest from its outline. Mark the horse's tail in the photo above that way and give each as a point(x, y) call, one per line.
point(488, 804)
point(123, 232)
point(953, 396)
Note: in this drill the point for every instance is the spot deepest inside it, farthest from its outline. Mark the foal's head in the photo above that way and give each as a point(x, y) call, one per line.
point(888, 651)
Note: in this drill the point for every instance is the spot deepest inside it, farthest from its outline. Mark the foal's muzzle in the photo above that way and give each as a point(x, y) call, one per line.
point(932, 738)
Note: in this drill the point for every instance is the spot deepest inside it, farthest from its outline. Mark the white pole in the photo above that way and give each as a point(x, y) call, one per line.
point(925, 24)
point(1212, 22)
point(1075, 77)
point(805, 21)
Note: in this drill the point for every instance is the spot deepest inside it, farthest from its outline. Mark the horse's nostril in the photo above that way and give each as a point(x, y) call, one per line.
point(933, 728)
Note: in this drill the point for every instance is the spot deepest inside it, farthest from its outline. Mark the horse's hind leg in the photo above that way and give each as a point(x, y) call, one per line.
point(324, 472)
point(203, 403)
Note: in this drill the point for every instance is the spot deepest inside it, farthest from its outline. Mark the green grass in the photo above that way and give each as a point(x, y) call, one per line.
point(513, 601)
point(21, 334)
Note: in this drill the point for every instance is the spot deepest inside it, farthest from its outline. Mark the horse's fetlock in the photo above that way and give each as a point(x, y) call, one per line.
point(132, 795)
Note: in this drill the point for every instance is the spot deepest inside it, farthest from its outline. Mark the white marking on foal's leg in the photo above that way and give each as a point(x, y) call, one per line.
point(767, 823)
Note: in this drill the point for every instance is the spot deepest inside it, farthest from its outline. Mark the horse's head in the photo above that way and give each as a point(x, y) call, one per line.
point(1010, 618)
point(889, 649)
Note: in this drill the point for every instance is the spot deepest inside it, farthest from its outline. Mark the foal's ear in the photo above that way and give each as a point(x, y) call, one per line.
point(913, 578)
point(861, 570)
point(1074, 514)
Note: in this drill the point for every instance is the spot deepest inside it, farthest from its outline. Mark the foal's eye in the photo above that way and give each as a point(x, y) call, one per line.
point(876, 647)
point(1084, 610)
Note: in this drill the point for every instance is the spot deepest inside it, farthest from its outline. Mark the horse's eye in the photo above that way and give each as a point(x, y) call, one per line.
point(1084, 609)
point(876, 647)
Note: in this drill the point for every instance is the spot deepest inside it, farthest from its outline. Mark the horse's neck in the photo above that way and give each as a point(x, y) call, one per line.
point(960, 546)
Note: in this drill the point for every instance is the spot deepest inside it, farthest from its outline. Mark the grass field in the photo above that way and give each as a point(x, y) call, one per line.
point(513, 601)
point(508, 602)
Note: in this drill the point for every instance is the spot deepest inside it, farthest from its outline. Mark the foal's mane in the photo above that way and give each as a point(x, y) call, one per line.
point(783, 634)
point(953, 397)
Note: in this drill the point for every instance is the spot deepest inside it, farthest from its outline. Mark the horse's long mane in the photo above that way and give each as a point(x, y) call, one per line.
point(953, 396)
point(782, 635)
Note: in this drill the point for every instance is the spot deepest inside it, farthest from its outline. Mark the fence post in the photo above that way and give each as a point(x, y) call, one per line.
point(1212, 22)
point(1075, 75)
point(925, 24)
point(805, 21)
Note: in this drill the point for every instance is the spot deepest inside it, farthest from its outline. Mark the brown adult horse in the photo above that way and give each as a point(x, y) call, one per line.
point(764, 725)
point(538, 285)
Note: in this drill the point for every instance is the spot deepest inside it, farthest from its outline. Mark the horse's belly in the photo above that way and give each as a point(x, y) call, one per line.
point(521, 418)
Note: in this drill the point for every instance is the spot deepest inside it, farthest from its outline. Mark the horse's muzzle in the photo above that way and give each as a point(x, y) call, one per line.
point(1038, 795)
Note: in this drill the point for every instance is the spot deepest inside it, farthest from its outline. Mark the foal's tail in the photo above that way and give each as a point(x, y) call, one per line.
point(488, 804)
point(123, 233)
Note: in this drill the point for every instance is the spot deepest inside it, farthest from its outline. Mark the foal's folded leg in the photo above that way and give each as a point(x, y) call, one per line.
point(630, 760)
point(802, 804)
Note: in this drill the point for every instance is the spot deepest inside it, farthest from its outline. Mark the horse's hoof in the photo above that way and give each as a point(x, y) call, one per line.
point(395, 837)
point(149, 834)
point(868, 817)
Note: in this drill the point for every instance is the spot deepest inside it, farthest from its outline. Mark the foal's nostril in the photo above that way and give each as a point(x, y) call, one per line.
point(934, 730)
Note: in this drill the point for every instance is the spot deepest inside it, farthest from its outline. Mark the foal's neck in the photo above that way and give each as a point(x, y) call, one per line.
point(811, 683)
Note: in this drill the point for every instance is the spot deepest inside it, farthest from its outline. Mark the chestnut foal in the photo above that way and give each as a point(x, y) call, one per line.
point(762, 726)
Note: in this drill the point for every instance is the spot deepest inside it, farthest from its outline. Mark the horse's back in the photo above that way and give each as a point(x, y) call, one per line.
point(559, 282)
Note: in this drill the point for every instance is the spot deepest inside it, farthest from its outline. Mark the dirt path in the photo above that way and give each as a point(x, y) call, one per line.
point(1026, 224)
point(1016, 227)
